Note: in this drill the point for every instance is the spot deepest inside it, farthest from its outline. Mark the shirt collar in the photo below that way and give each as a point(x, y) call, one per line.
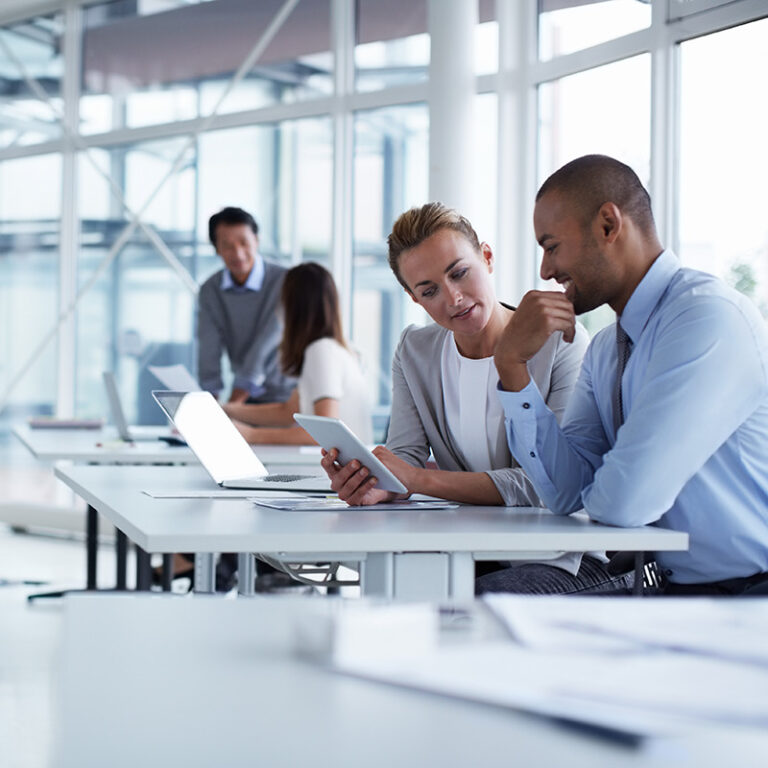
point(253, 282)
point(646, 296)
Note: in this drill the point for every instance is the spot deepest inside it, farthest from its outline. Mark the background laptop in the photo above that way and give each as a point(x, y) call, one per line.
point(222, 450)
point(132, 434)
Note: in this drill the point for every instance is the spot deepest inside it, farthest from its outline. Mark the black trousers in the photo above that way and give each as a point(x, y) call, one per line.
point(756, 584)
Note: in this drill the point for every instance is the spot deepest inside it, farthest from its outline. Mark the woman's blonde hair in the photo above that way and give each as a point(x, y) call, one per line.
point(417, 224)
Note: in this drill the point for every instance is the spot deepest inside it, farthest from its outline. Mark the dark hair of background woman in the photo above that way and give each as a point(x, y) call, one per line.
point(310, 312)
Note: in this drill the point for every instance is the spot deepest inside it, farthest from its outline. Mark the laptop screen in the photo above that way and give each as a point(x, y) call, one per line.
point(213, 438)
point(115, 406)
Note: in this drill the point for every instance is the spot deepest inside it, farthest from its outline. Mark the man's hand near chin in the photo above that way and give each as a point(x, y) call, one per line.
point(539, 315)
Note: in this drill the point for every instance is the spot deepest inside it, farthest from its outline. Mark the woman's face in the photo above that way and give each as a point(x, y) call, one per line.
point(452, 281)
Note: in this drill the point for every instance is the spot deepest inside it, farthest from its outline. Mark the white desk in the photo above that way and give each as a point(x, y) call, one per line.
point(149, 680)
point(424, 555)
point(104, 447)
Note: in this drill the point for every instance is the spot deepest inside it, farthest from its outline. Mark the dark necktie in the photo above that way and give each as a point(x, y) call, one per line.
point(623, 348)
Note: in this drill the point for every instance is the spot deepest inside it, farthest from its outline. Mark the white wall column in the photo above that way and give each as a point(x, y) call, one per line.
point(69, 231)
point(343, 39)
point(516, 260)
point(452, 25)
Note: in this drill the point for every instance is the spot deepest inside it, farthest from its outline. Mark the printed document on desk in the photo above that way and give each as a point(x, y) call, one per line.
point(334, 503)
point(638, 691)
point(728, 629)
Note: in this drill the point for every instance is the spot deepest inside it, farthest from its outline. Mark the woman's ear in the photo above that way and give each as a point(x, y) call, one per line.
point(487, 255)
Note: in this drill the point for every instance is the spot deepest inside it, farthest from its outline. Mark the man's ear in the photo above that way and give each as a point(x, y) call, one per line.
point(609, 221)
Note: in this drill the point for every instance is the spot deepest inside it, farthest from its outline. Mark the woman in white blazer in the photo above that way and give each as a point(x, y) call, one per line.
point(444, 398)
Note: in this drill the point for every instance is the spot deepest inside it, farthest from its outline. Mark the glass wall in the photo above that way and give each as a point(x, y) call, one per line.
point(573, 121)
point(723, 226)
point(139, 312)
point(31, 67)
point(145, 63)
point(391, 151)
point(566, 26)
point(326, 163)
point(29, 277)
point(391, 43)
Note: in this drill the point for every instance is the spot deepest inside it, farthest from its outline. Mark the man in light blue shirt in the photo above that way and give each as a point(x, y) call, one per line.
point(683, 442)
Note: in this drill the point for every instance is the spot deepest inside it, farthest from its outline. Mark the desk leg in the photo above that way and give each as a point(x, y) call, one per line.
point(410, 576)
point(637, 588)
point(143, 570)
point(462, 577)
point(167, 571)
point(91, 546)
point(121, 551)
point(205, 572)
point(246, 574)
point(377, 575)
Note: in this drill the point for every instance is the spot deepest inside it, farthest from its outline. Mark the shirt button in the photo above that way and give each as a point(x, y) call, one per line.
point(668, 571)
point(532, 455)
point(526, 405)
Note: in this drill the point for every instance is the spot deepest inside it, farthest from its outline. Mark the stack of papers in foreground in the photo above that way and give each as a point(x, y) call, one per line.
point(648, 667)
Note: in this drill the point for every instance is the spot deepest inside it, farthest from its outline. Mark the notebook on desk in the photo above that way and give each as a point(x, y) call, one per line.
point(131, 434)
point(222, 450)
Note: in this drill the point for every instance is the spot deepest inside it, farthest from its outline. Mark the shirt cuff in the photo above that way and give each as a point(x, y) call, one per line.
point(253, 390)
point(524, 403)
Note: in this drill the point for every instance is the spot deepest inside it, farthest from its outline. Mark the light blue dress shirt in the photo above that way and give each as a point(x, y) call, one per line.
point(692, 454)
point(253, 282)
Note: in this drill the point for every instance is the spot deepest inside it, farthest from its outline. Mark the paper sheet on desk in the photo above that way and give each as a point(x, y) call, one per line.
point(222, 493)
point(213, 494)
point(650, 694)
point(728, 629)
point(333, 503)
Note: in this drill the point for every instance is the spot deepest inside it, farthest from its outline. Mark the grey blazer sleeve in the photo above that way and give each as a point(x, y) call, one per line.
point(210, 344)
point(406, 437)
point(514, 487)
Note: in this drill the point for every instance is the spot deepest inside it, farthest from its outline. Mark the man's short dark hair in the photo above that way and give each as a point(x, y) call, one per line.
point(592, 180)
point(230, 216)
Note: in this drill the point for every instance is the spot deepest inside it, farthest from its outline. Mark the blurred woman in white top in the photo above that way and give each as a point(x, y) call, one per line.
point(313, 348)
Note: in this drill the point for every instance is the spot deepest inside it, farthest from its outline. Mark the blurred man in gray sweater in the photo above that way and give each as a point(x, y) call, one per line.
point(237, 314)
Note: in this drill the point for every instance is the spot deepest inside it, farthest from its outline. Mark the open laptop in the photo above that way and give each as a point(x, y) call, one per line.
point(222, 450)
point(132, 434)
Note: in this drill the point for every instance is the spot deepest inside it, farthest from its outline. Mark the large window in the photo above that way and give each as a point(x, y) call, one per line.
point(29, 276)
point(573, 121)
point(723, 225)
point(390, 176)
point(566, 26)
point(323, 133)
point(31, 66)
point(150, 63)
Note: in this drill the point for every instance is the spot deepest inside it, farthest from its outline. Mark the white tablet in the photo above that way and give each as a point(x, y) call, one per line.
point(333, 433)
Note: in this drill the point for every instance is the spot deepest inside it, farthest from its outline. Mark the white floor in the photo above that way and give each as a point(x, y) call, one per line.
point(29, 635)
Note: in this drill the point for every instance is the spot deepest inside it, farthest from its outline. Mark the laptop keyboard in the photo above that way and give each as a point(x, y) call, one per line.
point(286, 478)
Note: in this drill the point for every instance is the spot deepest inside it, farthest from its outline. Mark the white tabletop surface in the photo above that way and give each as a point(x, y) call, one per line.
point(154, 680)
point(237, 525)
point(103, 446)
